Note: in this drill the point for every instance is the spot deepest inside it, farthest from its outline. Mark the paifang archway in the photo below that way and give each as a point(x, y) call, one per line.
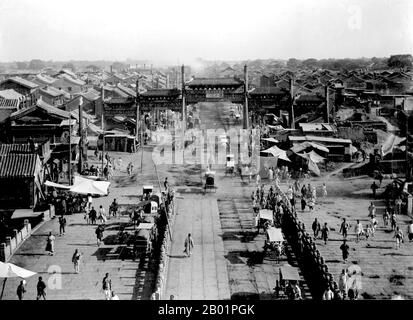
point(211, 90)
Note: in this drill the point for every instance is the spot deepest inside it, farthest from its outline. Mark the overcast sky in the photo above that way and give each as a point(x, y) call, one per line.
point(181, 30)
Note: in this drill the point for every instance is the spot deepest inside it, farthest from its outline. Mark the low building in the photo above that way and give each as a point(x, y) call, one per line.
point(26, 88)
point(20, 180)
point(318, 129)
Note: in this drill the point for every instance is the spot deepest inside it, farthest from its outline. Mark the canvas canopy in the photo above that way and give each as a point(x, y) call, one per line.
point(56, 185)
point(270, 140)
point(277, 152)
point(86, 186)
point(307, 144)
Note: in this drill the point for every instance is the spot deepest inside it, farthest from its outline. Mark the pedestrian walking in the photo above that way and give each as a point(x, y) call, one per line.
point(113, 209)
point(21, 290)
point(93, 215)
point(344, 228)
point(119, 164)
point(87, 215)
point(270, 174)
point(324, 190)
point(89, 201)
point(374, 188)
point(316, 228)
point(398, 204)
point(325, 232)
point(372, 210)
point(107, 286)
point(303, 203)
point(410, 231)
point(398, 235)
point(165, 184)
point(102, 216)
point(311, 203)
point(359, 230)
point(345, 249)
point(342, 283)
point(99, 234)
point(76, 260)
point(50, 243)
point(62, 224)
point(386, 217)
point(41, 289)
point(189, 245)
point(393, 221)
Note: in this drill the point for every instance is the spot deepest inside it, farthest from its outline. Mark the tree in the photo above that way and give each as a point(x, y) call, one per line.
point(21, 65)
point(36, 64)
point(310, 63)
point(69, 66)
point(293, 63)
point(401, 61)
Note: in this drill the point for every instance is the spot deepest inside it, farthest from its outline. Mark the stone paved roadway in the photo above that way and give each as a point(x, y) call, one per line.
point(203, 276)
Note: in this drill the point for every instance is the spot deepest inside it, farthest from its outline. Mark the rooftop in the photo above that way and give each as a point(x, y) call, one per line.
point(199, 82)
point(23, 82)
point(18, 165)
point(161, 92)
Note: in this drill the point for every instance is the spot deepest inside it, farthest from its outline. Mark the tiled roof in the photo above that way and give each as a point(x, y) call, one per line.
point(72, 80)
point(91, 95)
point(5, 114)
point(42, 105)
point(10, 94)
point(51, 91)
point(267, 90)
point(13, 148)
point(44, 79)
point(309, 98)
point(214, 82)
point(18, 165)
point(161, 92)
point(22, 82)
point(128, 91)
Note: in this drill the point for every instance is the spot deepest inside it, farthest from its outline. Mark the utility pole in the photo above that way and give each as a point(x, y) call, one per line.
point(137, 111)
point(183, 97)
point(103, 128)
point(245, 115)
point(292, 102)
point(70, 148)
point(81, 135)
point(327, 104)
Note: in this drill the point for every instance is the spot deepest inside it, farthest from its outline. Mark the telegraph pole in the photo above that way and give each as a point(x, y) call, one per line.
point(103, 128)
point(70, 148)
point(245, 115)
point(81, 135)
point(292, 102)
point(183, 97)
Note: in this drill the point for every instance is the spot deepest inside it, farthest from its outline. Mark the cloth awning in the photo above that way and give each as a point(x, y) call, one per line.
point(307, 144)
point(25, 213)
point(86, 186)
point(277, 152)
point(56, 185)
point(270, 140)
point(313, 156)
point(275, 235)
point(10, 270)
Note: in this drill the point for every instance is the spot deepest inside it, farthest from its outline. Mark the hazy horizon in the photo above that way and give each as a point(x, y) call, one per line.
point(177, 32)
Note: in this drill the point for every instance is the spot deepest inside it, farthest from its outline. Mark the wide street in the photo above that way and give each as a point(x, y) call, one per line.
point(228, 261)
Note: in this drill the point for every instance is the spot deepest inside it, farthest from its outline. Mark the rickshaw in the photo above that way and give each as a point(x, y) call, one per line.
point(141, 243)
point(274, 241)
point(210, 180)
point(264, 219)
point(147, 190)
point(288, 274)
point(230, 164)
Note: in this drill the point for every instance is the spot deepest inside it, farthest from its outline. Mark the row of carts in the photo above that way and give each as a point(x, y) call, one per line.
point(275, 245)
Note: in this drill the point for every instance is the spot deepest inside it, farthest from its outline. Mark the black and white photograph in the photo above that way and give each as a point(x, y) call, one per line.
point(214, 150)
